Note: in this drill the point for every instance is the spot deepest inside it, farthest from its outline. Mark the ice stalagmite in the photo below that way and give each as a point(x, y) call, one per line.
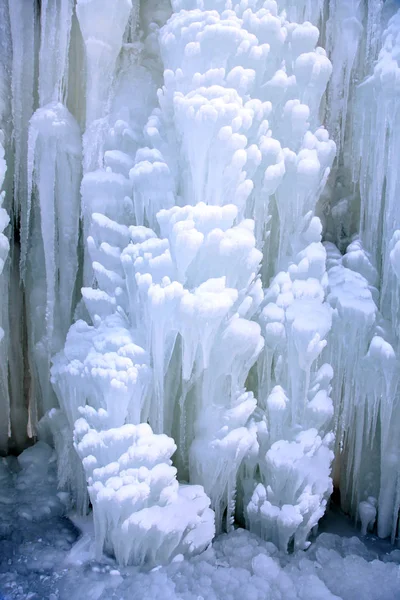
point(141, 513)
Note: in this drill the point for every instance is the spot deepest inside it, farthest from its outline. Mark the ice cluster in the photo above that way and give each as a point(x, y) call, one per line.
point(207, 278)
point(177, 309)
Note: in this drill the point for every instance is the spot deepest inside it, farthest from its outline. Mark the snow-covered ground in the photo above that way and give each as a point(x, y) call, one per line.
point(44, 556)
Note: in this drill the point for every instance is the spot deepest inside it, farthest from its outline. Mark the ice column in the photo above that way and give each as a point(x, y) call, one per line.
point(141, 513)
point(55, 24)
point(286, 487)
point(54, 171)
point(23, 21)
point(4, 248)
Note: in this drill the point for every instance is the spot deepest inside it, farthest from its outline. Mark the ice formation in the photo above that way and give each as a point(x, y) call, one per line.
point(43, 556)
point(204, 267)
point(141, 513)
point(4, 248)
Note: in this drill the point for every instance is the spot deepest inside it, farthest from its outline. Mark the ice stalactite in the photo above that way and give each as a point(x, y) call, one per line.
point(365, 390)
point(49, 245)
point(12, 399)
point(119, 110)
point(54, 170)
point(363, 291)
point(379, 184)
point(141, 513)
point(4, 249)
point(103, 39)
point(351, 36)
point(55, 24)
point(175, 257)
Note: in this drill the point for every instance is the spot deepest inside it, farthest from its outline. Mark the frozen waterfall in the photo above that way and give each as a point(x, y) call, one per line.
point(200, 263)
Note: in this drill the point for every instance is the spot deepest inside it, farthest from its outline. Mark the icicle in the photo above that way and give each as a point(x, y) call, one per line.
point(23, 20)
point(147, 517)
point(291, 475)
point(55, 25)
point(4, 249)
point(54, 160)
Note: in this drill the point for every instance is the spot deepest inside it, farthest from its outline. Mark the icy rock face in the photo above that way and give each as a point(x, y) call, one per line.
point(141, 513)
